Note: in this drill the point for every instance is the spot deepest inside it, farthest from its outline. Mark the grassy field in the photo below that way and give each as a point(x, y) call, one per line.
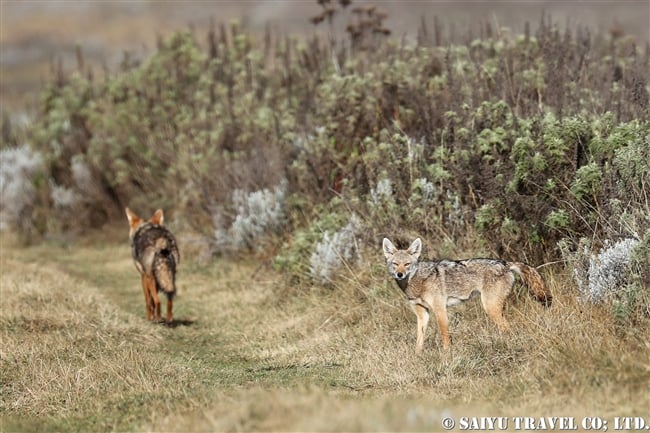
point(251, 353)
point(444, 124)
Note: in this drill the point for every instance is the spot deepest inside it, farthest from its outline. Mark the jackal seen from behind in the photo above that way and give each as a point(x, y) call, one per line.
point(156, 257)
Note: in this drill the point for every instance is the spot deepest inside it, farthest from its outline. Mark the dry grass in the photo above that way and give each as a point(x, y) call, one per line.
point(252, 354)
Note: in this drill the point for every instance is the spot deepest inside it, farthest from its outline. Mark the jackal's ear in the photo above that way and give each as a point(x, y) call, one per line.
point(416, 248)
point(389, 248)
point(132, 217)
point(158, 218)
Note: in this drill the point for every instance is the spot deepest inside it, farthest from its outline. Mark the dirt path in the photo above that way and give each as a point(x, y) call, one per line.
point(219, 358)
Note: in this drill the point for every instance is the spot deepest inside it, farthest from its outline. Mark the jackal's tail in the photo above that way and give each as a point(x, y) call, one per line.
point(164, 266)
point(534, 282)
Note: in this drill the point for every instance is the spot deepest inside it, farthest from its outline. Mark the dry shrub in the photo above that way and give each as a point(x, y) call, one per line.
point(189, 125)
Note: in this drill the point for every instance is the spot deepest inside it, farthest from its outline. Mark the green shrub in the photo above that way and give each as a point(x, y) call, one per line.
point(522, 140)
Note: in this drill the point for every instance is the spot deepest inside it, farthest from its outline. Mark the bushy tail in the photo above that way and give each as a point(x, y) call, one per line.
point(164, 267)
point(534, 282)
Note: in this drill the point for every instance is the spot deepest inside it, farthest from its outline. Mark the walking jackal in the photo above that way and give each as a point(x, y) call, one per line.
point(432, 286)
point(156, 257)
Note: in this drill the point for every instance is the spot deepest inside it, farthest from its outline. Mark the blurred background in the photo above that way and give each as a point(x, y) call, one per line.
point(37, 36)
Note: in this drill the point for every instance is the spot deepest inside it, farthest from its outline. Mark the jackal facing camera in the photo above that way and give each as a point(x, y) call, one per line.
point(432, 286)
point(156, 257)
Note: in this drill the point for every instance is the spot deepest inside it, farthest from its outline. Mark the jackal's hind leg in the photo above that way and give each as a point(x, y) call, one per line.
point(148, 300)
point(494, 306)
point(443, 325)
point(155, 300)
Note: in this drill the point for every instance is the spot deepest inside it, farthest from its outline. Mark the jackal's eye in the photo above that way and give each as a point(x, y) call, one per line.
point(407, 264)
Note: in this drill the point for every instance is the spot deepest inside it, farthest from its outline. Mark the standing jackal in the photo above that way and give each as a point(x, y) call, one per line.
point(156, 257)
point(432, 286)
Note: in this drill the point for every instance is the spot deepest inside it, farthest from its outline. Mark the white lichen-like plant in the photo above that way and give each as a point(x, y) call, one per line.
point(85, 183)
point(383, 192)
point(17, 192)
point(257, 214)
point(63, 197)
point(424, 194)
point(335, 250)
point(84, 188)
point(428, 190)
point(608, 271)
point(455, 213)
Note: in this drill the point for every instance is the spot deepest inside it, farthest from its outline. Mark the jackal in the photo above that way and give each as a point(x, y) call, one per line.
point(156, 257)
point(432, 286)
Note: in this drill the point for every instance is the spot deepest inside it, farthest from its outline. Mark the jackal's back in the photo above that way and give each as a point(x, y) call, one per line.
point(459, 278)
point(154, 247)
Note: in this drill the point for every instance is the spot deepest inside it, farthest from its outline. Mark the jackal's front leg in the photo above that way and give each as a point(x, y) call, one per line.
point(423, 321)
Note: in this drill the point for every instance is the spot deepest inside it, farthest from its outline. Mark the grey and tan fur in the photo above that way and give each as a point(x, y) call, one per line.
point(156, 257)
point(432, 286)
